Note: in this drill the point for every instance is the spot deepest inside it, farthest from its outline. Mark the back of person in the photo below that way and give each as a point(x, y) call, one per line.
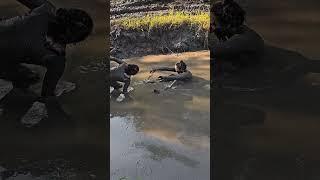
point(19, 37)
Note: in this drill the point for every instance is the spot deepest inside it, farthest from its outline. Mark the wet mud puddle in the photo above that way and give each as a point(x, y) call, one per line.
point(163, 135)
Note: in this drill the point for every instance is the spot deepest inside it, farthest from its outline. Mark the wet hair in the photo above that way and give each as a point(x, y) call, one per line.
point(71, 25)
point(132, 69)
point(228, 13)
point(182, 65)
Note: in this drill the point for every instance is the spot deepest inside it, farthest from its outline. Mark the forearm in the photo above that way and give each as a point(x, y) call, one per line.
point(179, 77)
point(117, 60)
point(55, 68)
point(126, 86)
point(164, 69)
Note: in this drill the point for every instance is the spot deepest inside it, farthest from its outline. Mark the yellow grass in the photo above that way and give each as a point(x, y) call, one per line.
point(172, 19)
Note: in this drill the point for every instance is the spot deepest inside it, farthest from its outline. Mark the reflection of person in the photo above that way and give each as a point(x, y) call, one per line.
point(239, 46)
point(180, 68)
point(40, 37)
point(122, 73)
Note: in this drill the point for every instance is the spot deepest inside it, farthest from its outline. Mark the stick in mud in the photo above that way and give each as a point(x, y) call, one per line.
point(166, 88)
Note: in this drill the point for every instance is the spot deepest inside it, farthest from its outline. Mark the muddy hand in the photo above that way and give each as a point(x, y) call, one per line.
point(153, 71)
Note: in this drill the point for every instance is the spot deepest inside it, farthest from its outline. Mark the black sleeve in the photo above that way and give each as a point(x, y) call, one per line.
point(55, 67)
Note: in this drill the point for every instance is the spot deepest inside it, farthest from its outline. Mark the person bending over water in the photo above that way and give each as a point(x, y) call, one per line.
point(180, 68)
point(40, 37)
point(239, 46)
point(122, 73)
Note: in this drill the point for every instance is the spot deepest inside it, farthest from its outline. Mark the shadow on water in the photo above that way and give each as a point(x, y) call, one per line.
point(281, 145)
point(60, 147)
point(167, 133)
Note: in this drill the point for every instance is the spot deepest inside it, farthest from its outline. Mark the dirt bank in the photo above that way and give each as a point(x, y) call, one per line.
point(130, 43)
point(135, 42)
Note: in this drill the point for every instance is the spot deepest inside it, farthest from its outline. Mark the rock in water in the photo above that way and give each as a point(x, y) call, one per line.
point(64, 87)
point(5, 88)
point(35, 114)
point(120, 98)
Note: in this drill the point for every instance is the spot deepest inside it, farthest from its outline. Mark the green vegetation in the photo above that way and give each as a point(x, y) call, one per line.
point(171, 19)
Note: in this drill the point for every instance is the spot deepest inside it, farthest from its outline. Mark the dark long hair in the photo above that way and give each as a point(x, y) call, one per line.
point(71, 26)
point(229, 13)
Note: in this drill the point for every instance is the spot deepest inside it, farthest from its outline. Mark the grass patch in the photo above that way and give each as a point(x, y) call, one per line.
point(171, 19)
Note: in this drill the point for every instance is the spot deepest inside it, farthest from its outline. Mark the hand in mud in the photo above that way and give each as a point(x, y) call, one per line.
point(127, 96)
point(162, 78)
point(153, 71)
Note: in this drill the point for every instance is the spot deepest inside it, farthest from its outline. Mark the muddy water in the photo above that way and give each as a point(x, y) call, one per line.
point(284, 145)
point(53, 149)
point(166, 135)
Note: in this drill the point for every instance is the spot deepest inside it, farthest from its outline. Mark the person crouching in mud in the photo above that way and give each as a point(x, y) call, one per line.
point(40, 37)
point(239, 46)
point(182, 74)
point(122, 74)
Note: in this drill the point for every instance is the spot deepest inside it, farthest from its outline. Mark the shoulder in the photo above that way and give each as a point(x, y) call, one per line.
point(45, 9)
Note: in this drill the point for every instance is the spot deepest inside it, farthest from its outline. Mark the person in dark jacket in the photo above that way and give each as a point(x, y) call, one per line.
point(40, 37)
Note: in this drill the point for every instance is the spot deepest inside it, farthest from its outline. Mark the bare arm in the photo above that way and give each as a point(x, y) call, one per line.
point(126, 85)
point(163, 69)
point(180, 77)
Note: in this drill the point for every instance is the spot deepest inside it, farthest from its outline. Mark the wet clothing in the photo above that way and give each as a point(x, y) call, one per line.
point(183, 76)
point(24, 40)
point(118, 74)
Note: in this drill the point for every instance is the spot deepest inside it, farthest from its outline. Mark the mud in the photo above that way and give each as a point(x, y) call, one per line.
point(129, 43)
point(138, 8)
point(134, 43)
point(282, 144)
point(165, 135)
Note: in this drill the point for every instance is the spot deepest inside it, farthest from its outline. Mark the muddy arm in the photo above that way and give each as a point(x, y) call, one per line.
point(55, 67)
point(126, 85)
point(117, 60)
point(163, 69)
point(180, 77)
